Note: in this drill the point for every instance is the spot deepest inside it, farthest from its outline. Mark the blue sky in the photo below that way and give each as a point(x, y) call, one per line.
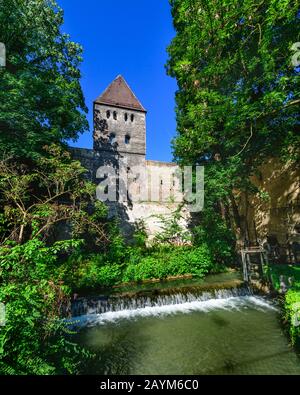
point(127, 37)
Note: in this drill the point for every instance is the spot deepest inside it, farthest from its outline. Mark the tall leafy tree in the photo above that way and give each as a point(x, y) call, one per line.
point(41, 100)
point(238, 97)
point(41, 187)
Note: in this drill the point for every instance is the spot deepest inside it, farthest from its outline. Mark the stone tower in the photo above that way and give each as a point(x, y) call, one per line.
point(119, 142)
point(120, 124)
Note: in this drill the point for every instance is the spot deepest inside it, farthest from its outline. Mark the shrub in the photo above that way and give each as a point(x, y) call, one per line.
point(147, 268)
point(33, 340)
point(138, 264)
point(90, 271)
point(287, 271)
point(170, 261)
point(96, 274)
point(214, 233)
point(292, 315)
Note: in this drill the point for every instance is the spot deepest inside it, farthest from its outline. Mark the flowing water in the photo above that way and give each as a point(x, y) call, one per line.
point(198, 332)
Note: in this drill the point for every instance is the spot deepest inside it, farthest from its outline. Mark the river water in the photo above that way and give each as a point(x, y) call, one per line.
point(227, 333)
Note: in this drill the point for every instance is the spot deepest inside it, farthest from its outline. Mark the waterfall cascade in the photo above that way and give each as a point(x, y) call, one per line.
point(114, 303)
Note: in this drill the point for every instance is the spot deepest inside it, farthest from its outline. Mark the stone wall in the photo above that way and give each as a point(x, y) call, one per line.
point(128, 127)
point(275, 211)
point(134, 189)
point(155, 195)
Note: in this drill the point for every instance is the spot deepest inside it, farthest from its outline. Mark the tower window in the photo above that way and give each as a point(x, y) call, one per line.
point(115, 115)
point(112, 138)
point(127, 139)
point(107, 114)
point(132, 117)
point(126, 117)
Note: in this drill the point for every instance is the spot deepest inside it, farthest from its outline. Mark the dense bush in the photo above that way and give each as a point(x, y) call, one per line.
point(33, 340)
point(275, 272)
point(292, 314)
point(137, 264)
point(291, 300)
point(170, 261)
point(90, 271)
point(215, 233)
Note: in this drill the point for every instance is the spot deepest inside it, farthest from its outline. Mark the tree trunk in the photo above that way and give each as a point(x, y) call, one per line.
point(22, 228)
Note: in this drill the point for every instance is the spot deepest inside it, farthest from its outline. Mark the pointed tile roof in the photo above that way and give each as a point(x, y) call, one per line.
point(119, 94)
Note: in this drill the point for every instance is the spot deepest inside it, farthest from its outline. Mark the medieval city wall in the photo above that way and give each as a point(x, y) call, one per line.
point(155, 196)
point(275, 210)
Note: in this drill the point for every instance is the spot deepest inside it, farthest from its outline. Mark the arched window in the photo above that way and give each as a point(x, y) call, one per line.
point(126, 117)
point(112, 138)
point(127, 139)
point(132, 117)
point(115, 115)
point(107, 114)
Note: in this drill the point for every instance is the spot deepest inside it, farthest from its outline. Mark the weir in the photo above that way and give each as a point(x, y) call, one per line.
point(153, 298)
point(183, 331)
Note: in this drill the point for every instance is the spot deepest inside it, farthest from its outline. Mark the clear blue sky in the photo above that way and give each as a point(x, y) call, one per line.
point(127, 37)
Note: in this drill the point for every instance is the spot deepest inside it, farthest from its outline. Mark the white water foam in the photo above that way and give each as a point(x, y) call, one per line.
point(231, 303)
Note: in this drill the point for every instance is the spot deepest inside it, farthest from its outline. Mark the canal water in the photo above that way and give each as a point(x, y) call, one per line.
point(217, 332)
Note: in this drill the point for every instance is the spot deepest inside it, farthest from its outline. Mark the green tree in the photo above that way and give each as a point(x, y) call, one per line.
point(238, 91)
point(41, 100)
point(36, 207)
point(51, 198)
point(33, 340)
point(42, 190)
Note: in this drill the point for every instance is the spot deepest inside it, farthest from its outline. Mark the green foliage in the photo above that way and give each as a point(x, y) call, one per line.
point(82, 271)
point(291, 300)
point(42, 190)
point(219, 238)
point(33, 281)
point(41, 100)
point(140, 235)
point(33, 336)
point(292, 314)
point(172, 231)
point(117, 249)
point(288, 271)
point(169, 261)
point(36, 201)
point(237, 93)
point(97, 271)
